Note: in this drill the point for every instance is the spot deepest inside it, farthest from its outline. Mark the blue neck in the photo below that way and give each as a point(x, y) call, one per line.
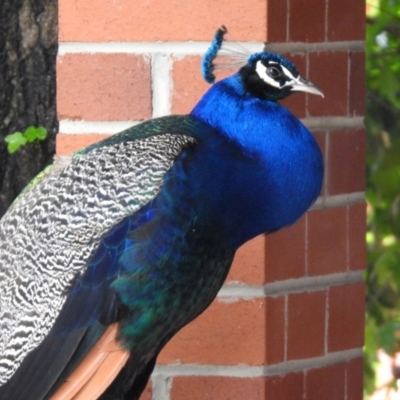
point(260, 169)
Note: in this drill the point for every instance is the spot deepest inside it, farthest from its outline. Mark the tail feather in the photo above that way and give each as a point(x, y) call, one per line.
point(97, 369)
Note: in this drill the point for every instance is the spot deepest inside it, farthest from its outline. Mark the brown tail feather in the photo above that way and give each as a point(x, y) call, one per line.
point(96, 371)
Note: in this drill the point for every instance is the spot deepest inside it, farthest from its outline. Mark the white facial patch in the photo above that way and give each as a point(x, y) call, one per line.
point(295, 83)
point(288, 73)
point(261, 70)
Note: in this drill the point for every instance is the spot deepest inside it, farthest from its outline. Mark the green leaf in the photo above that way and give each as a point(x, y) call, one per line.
point(33, 133)
point(383, 183)
point(15, 141)
point(387, 336)
point(18, 139)
point(41, 133)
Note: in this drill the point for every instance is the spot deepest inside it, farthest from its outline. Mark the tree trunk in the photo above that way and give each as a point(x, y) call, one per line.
point(28, 49)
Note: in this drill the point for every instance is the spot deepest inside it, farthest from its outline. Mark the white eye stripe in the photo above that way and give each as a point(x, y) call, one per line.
point(288, 73)
point(261, 70)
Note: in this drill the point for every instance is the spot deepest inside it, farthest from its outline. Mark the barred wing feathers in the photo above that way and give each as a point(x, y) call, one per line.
point(48, 235)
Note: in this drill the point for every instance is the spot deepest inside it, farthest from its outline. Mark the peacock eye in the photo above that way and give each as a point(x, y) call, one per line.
point(274, 72)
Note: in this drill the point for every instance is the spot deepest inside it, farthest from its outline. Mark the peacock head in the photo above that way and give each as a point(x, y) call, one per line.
point(272, 77)
point(265, 75)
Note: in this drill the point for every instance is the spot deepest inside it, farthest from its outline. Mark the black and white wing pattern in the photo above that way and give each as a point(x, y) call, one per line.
point(50, 232)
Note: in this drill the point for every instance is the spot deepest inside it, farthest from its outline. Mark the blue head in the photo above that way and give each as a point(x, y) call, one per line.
point(267, 76)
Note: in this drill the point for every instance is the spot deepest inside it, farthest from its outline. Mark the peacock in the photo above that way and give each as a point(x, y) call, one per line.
point(104, 260)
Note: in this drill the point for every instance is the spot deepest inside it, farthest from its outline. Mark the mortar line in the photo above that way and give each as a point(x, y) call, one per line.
point(287, 20)
point(140, 48)
point(333, 123)
point(338, 200)
point(199, 48)
point(232, 292)
point(161, 66)
point(301, 47)
point(326, 20)
point(249, 371)
point(161, 387)
point(108, 127)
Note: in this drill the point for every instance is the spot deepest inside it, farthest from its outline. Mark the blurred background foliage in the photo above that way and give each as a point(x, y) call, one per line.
point(383, 183)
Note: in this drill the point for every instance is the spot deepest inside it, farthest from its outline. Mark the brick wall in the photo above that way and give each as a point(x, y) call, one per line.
point(288, 324)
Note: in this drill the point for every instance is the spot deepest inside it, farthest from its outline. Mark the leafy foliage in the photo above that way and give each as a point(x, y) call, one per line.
point(383, 182)
point(17, 139)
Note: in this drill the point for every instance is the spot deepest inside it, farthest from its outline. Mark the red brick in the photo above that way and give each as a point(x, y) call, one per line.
point(357, 258)
point(354, 375)
point(329, 71)
point(249, 263)
point(225, 334)
point(147, 392)
point(285, 252)
point(357, 83)
point(137, 21)
point(103, 87)
point(275, 330)
point(320, 137)
point(346, 20)
point(326, 241)
point(306, 325)
point(277, 21)
point(217, 388)
point(307, 21)
point(286, 387)
point(346, 317)
point(290, 386)
point(296, 102)
point(188, 84)
point(326, 383)
point(346, 171)
point(69, 143)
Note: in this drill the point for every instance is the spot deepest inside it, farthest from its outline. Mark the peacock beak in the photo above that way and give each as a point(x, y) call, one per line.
point(303, 85)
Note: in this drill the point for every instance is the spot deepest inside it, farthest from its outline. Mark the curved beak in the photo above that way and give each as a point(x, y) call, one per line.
point(303, 85)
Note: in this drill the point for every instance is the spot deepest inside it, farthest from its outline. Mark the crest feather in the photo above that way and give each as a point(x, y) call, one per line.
point(234, 54)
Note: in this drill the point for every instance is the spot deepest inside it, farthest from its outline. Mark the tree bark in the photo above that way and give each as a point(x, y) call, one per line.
point(28, 49)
